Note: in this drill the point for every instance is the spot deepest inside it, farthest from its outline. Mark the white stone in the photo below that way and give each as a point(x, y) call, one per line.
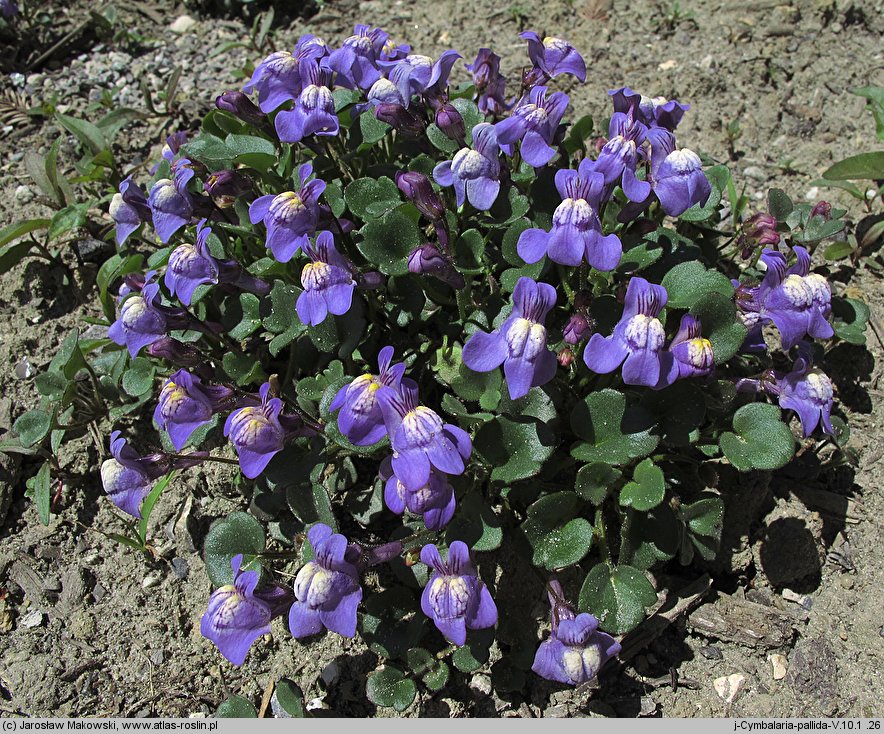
point(182, 24)
point(32, 619)
point(728, 687)
point(667, 65)
point(780, 665)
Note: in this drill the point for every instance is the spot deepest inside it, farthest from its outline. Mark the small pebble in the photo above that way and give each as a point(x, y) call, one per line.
point(182, 24)
point(728, 687)
point(847, 582)
point(23, 195)
point(32, 619)
point(316, 704)
point(800, 599)
point(755, 172)
point(711, 653)
point(23, 369)
point(481, 684)
point(152, 579)
point(181, 568)
point(780, 665)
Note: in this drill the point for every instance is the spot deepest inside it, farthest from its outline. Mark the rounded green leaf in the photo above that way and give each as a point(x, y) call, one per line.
point(594, 481)
point(760, 439)
point(235, 534)
point(371, 198)
point(475, 524)
point(612, 434)
point(138, 379)
point(516, 449)
point(652, 537)
point(851, 316)
point(617, 596)
point(288, 700)
point(557, 536)
point(236, 707)
point(389, 687)
point(387, 242)
point(688, 282)
point(647, 488)
point(32, 427)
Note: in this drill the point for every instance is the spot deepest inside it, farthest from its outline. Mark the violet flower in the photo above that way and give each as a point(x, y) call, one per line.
point(490, 83)
point(692, 352)
point(428, 260)
point(127, 477)
point(237, 614)
point(434, 502)
point(225, 187)
point(256, 433)
point(576, 232)
point(277, 78)
point(520, 342)
point(419, 438)
point(185, 404)
point(808, 391)
point(553, 56)
point(170, 202)
point(576, 650)
point(678, 180)
point(578, 326)
point(356, 60)
point(314, 110)
point(173, 145)
point(651, 111)
point(535, 121)
point(416, 74)
point(142, 320)
point(619, 157)
point(327, 280)
point(8, 9)
point(290, 217)
point(128, 209)
point(419, 191)
point(474, 172)
point(451, 122)
point(239, 105)
point(327, 588)
point(455, 598)
point(361, 419)
point(638, 339)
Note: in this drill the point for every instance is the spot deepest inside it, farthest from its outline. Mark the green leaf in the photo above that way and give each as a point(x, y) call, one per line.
point(236, 707)
point(647, 488)
point(838, 251)
point(32, 427)
point(334, 197)
point(475, 524)
point(68, 359)
point(863, 166)
point(617, 596)
point(761, 440)
point(477, 386)
point(372, 128)
point(652, 537)
point(240, 145)
point(138, 379)
point(90, 136)
point(679, 409)
point(40, 490)
point(238, 533)
point(242, 319)
point(440, 140)
point(388, 241)
point(19, 229)
point(515, 448)
point(389, 687)
point(850, 318)
point(475, 653)
point(245, 369)
point(875, 98)
point(688, 282)
point(557, 536)
point(779, 204)
point(703, 522)
point(718, 317)
point(345, 97)
point(210, 150)
point(432, 671)
point(594, 481)
point(149, 503)
point(468, 250)
point(288, 700)
point(612, 434)
point(372, 198)
point(578, 134)
point(111, 270)
point(283, 319)
point(67, 219)
point(718, 177)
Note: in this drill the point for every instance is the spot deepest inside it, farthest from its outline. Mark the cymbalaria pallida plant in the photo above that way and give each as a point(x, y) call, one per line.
point(440, 330)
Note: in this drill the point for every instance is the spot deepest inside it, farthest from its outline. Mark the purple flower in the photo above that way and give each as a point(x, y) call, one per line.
point(691, 351)
point(256, 433)
point(8, 9)
point(185, 404)
point(314, 110)
point(619, 157)
point(455, 598)
point(808, 391)
point(239, 105)
point(290, 217)
point(490, 83)
point(638, 339)
point(417, 74)
point(535, 121)
point(553, 56)
point(141, 321)
point(327, 588)
point(327, 280)
point(796, 301)
point(169, 201)
point(356, 60)
point(577, 328)
point(679, 182)
point(451, 122)
point(520, 342)
point(576, 232)
point(237, 615)
point(176, 352)
point(651, 111)
point(277, 78)
point(434, 501)
point(427, 260)
point(418, 189)
point(361, 419)
point(128, 209)
point(575, 651)
point(474, 172)
point(419, 438)
point(127, 478)
point(173, 145)
point(191, 266)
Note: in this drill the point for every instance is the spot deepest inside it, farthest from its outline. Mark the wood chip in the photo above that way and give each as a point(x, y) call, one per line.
point(743, 622)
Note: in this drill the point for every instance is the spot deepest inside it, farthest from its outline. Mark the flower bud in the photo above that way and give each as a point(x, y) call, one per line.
point(176, 352)
point(576, 329)
point(450, 122)
point(427, 259)
point(225, 187)
point(565, 357)
point(238, 104)
point(822, 209)
point(399, 118)
point(417, 187)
